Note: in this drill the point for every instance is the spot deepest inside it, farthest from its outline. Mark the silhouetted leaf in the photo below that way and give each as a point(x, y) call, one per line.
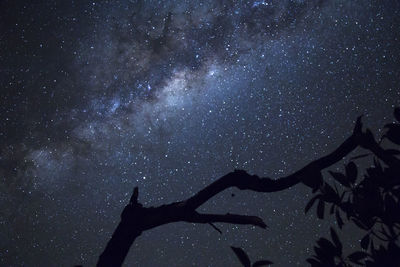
point(336, 240)
point(342, 196)
point(351, 172)
point(321, 209)
point(327, 246)
point(393, 151)
point(365, 241)
point(262, 263)
point(396, 113)
point(311, 203)
point(332, 210)
point(320, 253)
point(378, 166)
point(393, 133)
point(391, 207)
point(383, 231)
point(341, 178)
point(359, 224)
point(242, 256)
point(339, 219)
point(330, 194)
point(357, 256)
point(347, 207)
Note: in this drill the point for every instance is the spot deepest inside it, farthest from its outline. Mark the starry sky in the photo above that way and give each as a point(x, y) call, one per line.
point(100, 96)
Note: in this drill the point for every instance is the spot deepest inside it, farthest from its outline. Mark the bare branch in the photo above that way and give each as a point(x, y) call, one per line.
point(196, 217)
point(244, 181)
point(135, 218)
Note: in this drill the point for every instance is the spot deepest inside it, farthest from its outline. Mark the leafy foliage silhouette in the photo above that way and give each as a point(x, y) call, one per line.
point(371, 202)
point(245, 260)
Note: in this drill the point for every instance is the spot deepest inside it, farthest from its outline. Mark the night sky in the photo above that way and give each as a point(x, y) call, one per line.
point(98, 97)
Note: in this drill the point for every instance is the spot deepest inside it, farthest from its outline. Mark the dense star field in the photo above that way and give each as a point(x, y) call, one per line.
point(98, 97)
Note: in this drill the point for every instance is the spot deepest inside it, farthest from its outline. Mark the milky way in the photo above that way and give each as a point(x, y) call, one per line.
point(98, 97)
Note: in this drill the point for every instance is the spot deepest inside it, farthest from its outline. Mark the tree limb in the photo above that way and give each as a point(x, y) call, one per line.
point(242, 180)
point(225, 218)
point(135, 218)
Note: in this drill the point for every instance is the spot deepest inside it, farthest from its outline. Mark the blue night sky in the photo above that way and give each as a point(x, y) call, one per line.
point(98, 97)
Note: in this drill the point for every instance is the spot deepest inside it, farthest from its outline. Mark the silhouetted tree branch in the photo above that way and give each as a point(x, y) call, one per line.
point(135, 218)
point(226, 218)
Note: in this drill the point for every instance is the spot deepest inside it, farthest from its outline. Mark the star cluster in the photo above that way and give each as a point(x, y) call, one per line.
point(100, 96)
